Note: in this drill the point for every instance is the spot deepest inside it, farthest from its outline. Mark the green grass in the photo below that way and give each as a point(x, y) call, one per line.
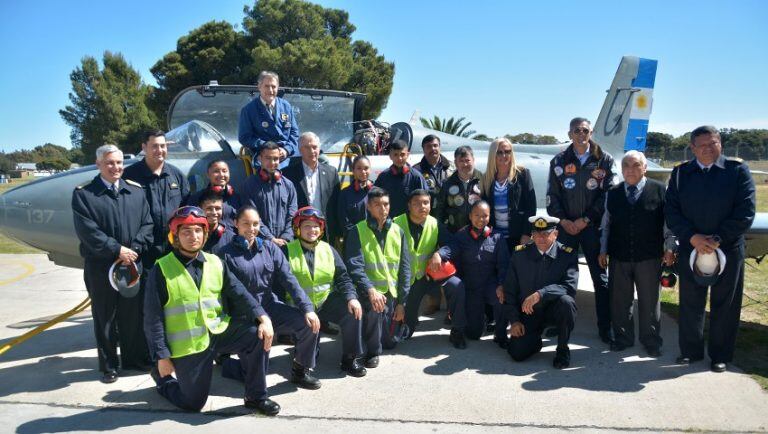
point(8, 245)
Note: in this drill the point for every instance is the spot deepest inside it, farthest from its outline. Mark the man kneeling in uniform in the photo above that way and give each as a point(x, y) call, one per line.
point(541, 288)
point(195, 308)
point(323, 276)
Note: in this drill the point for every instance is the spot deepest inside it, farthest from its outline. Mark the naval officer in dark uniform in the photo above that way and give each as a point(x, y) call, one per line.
point(710, 203)
point(540, 289)
point(112, 222)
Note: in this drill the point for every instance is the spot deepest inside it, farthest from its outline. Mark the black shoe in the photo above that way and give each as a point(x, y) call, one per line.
point(606, 336)
point(264, 406)
point(717, 367)
point(457, 339)
point(501, 342)
point(328, 329)
point(615, 346)
point(370, 361)
point(353, 367)
point(654, 352)
point(286, 340)
point(490, 326)
point(562, 358)
point(685, 360)
point(109, 377)
point(303, 378)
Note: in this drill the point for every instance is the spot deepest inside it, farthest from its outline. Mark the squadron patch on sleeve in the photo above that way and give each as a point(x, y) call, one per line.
point(558, 170)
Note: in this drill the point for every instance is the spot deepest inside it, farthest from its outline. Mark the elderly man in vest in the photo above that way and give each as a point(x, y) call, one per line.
point(379, 263)
point(428, 244)
point(323, 276)
point(194, 309)
point(635, 238)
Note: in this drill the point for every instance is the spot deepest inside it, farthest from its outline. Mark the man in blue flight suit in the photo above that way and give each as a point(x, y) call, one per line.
point(188, 281)
point(165, 186)
point(710, 203)
point(113, 222)
point(435, 167)
point(375, 250)
point(579, 178)
point(261, 266)
point(481, 258)
point(400, 179)
point(540, 289)
point(321, 272)
point(269, 119)
point(428, 242)
point(218, 182)
point(273, 195)
point(219, 234)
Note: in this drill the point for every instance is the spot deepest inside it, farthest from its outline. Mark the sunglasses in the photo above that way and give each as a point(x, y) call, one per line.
point(503, 153)
point(186, 211)
point(581, 130)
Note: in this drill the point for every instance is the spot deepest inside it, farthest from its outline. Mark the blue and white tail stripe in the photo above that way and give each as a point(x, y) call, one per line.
point(641, 106)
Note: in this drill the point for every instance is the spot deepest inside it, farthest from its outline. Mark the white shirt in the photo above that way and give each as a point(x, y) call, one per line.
point(312, 179)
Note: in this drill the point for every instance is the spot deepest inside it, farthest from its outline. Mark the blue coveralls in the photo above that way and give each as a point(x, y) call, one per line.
point(261, 268)
point(399, 186)
point(189, 390)
point(350, 208)
point(378, 329)
point(258, 126)
point(104, 222)
point(216, 243)
point(275, 200)
point(482, 265)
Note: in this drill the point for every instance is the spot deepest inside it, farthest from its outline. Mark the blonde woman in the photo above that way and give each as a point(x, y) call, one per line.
point(508, 188)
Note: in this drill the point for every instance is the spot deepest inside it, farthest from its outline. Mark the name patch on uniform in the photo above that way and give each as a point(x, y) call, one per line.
point(598, 173)
point(558, 170)
point(569, 183)
point(570, 169)
point(591, 184)
point(264, 124)
point(454, 189)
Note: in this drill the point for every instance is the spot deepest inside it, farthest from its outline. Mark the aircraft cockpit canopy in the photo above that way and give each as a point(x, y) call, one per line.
point(329, 114)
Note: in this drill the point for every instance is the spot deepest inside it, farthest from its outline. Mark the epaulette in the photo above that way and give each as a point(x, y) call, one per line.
point(520, 247)
point(680, 163)
point(133, 183)
point(735, 159)
point(567, 249)
point(83, 185)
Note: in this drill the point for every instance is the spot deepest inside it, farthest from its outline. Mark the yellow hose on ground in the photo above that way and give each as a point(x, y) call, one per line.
point(41, 328)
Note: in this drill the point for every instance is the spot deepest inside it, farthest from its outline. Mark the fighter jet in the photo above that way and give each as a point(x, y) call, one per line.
point(202, 123)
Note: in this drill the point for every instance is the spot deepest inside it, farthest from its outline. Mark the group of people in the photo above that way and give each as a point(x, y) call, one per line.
point(226, 270)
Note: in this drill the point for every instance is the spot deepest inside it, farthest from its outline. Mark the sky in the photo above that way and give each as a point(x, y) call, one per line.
point(507, 67)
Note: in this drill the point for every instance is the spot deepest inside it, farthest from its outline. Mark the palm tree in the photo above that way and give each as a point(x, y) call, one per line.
point(457, 127)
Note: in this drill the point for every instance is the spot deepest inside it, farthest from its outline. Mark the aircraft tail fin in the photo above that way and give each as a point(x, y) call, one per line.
point(622, 124)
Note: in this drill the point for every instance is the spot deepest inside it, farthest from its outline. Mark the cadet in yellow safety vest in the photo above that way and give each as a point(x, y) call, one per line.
point(195, 308)
point(428, 243)
point(323, 276)
point(379, 263)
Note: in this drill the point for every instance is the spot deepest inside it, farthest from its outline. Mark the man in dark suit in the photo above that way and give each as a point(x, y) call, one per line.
point(710, 203)
point(317, 183)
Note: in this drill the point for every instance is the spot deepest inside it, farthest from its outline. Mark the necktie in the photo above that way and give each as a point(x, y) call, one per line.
point(631, 193)
point(706, 169)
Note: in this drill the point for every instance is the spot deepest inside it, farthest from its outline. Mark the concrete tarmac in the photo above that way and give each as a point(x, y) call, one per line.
point(50, 383)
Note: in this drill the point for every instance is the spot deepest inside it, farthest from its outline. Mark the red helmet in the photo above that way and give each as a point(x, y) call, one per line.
point(187, 215)
point(308, 213)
